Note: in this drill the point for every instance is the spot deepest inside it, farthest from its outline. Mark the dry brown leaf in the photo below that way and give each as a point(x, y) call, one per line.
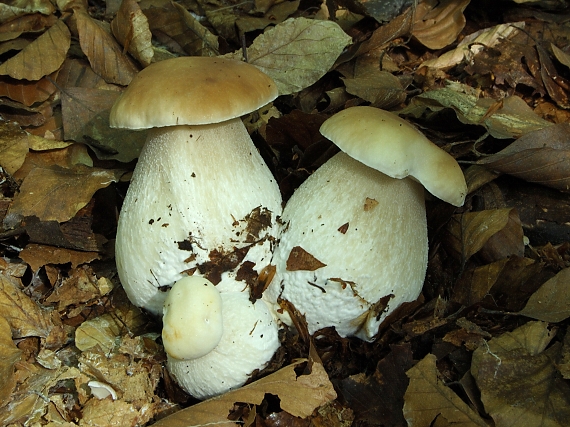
point(26, 92)
point(107, 413)
point(381, 89)
point(551, 302)
point(9, 355)
point(15, 8)
point(300, 259)
point(102, 50)
point(39, 255)
point(76, 73)
point(542, 156)
point(46, 53)
point(469, 232)
point(438, 23)
point(518, 379)
point(13, 146)
point(428, 398)
point(31, 23)
point(25, 317)
point(176, 24)
point(298, 395)
point(130, 27)
point(56, 193)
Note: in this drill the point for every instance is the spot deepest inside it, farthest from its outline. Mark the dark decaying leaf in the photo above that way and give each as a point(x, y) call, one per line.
point(379, 398)
point(428, 398)
point(551, 302)
point(542, 156)
point(518, 379)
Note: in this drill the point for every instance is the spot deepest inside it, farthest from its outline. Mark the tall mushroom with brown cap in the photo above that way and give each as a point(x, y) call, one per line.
point(201, 200)
point(354, 245)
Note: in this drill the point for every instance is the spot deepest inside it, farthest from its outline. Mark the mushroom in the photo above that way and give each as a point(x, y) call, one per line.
point(201, 199)
point(354, 245)
point(206, 366)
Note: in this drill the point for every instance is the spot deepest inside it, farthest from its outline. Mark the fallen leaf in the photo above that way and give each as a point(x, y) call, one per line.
point(39, 255)
point(26, 318)
point(513, 119)
point(297, 52)
point(381, 89)
point(104, 53)
point(428, 398)
point(470, 231)
point(551, 302)
point(27, 92)
point(47, 53)
point(380, 396)
point(542, 156)
point(299, 395)
point(56, 193)
point(18, 8)
point(130, 28)
point(9, 355)
point(518, 379)
point(438, 23)
point(300, 259)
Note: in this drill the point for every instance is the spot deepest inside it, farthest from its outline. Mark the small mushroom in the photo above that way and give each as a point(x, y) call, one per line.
point(244, 338)
point(354, 245)
point(201, 199)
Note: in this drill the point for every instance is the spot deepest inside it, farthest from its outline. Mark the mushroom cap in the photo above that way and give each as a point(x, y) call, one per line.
point(249, 341)
point(191, 90)
point(192, 319)
point(389, 144)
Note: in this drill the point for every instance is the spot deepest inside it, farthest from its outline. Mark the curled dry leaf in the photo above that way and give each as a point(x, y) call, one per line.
point(438, 23)
point(175, 26)
point(297, 52)
point(104, 53)
point(518, 378)
point(130, 27)
point(9, 355)
point(27, 92)
point(299, 395)
point(469, 232)
point(23, 7)
point(25, 317)
point(381, 89)
point(56, 193)
point(47, 53)
point(542, 156)
point(551, 302)
point(428, 398)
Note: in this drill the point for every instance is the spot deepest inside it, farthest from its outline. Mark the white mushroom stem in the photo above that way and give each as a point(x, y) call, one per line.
point(369, 233)
point(197, 194)
point(248, 342)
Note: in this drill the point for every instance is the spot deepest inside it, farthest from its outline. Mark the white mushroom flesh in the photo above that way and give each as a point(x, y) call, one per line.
point(249, 340)
point(200, 200)
point(369, 231)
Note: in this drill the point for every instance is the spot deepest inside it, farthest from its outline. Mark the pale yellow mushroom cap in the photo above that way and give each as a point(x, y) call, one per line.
point(192, 90)
point(389, 144)
point(192, 318)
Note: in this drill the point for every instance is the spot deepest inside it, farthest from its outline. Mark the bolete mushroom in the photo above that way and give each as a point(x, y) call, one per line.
point(354, 245)
point(215, 341)
point(201, 199)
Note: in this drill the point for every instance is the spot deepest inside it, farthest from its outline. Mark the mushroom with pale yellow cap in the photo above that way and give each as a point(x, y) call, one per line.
point(201, 199)
point(354, 243)
point(215, 341)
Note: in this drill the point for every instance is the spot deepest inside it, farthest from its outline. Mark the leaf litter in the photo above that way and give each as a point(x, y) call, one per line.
point(493, 92)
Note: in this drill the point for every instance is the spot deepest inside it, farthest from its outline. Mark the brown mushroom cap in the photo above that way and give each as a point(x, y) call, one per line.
point(192, 91)
point(389, 144)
